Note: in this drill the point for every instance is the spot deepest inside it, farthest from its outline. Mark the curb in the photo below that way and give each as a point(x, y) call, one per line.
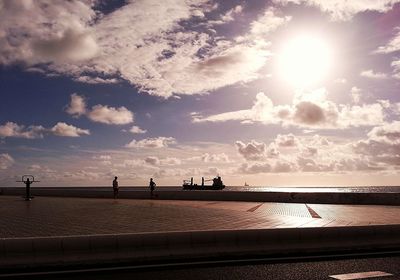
point(169, 246)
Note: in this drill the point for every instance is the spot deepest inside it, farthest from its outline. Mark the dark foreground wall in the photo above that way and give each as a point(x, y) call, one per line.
point(293, 197)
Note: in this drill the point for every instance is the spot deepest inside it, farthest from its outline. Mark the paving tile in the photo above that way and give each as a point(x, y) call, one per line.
point(56, 216)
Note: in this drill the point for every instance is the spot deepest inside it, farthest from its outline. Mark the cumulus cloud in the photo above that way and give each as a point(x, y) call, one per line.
point(11, 129)
point(251, 151)
point(100, 113)
point(373, 75)
point(288, 140)
point(63, 129)
point(392, 46)
point(163, 56)
point(158, 142)
point(6, 161)
point(137, 130)
point(40, 32)
point(312, 110)
point(222, 157)
point(77, 106)
point(382, 145)
point(345, 10)
point(155, 161)
point(110, 115)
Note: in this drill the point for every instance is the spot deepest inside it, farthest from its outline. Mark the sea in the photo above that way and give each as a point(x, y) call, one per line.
point(316, 189)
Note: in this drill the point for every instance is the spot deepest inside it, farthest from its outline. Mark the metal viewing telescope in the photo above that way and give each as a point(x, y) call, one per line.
point(27, 180)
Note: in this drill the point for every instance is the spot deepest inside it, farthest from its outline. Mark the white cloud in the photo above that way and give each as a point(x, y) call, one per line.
point(11, 129)
point(373, 75)
point(142, 42)
point(251, 151)
point(37, 32)
point(96, 80)
point(63, 129)
point(222, 157)
point(137, 130)
point(110, 115)
point(343, 9)
point(382, 145)
point(268, 23)
point(355, 94)
point(392, 46)
point(77, 106)
point(158, 142)
point(308, 110)
point(6, 161)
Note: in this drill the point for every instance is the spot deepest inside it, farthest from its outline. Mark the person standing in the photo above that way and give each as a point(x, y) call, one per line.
point(152, 186)
point(115, 187)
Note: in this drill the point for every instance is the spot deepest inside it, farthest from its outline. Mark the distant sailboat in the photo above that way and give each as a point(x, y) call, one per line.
point(246, 185)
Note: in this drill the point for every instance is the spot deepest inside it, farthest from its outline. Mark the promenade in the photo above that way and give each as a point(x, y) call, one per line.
point(67, 231)
point(63, 216)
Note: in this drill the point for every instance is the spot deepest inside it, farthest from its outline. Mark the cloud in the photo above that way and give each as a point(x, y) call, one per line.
point(373, 75)
point(100, 113)
point(345, 10)
point(155, 161)
point(137, 130)
point(146, 43)
point(382, 145)
point(36, 32)
point(96, 80)
point(310, 109)
point(72, 45)
point(355, 94)
point(63, 129)
point(251, 151)
point(222, 157)
point(110, 115)
point(11, 129)
point(228, 16)
point(288, 140)
point(392, 46)
point(152, 160)
point(77, 106)
point(267, 23)
point(158, 142)
point(6, 161)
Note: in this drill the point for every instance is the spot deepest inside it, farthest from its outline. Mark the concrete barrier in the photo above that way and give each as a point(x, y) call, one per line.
point(175, 246)
point(290, 197)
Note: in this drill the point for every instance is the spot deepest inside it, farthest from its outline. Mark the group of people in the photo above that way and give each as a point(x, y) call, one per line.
point(152, 186)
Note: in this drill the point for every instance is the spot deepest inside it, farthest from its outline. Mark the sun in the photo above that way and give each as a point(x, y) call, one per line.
point(305, 60)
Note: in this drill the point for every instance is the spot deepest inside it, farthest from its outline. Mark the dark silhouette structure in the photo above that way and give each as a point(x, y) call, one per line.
point(28, 180)
point(115, 187)
point(216, 185)
point(152, 186)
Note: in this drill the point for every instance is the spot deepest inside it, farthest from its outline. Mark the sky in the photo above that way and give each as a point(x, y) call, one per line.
point(271, 93)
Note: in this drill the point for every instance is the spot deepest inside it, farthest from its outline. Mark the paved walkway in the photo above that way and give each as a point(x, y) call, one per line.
point(56, 216)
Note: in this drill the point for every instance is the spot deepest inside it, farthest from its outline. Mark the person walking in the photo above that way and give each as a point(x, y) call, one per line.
point(115, 187)
point(152, 186)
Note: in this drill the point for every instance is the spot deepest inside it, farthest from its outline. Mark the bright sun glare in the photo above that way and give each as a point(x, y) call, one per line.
point(305, 60)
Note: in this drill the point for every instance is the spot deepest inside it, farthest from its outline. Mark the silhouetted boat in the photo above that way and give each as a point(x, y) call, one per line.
point(216, 185)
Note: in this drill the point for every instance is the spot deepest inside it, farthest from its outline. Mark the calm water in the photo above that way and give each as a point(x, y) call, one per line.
point(361, 189)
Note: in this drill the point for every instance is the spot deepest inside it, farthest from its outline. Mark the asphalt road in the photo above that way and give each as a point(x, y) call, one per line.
point(300, 269)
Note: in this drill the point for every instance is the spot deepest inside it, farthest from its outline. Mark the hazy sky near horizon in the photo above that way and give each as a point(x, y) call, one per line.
point(282, 92)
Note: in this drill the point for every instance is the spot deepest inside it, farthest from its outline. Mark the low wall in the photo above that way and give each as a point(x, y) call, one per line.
point(291, 197)
point(170, 246)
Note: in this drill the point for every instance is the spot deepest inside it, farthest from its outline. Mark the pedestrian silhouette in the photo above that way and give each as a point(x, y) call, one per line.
point(115, 187)
point(28, 189)
point(152, 186)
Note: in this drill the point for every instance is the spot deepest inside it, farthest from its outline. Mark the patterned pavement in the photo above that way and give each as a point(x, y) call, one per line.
point(56, 216)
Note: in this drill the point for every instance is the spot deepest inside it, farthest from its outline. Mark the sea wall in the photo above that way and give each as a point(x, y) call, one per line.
point(289, 197)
